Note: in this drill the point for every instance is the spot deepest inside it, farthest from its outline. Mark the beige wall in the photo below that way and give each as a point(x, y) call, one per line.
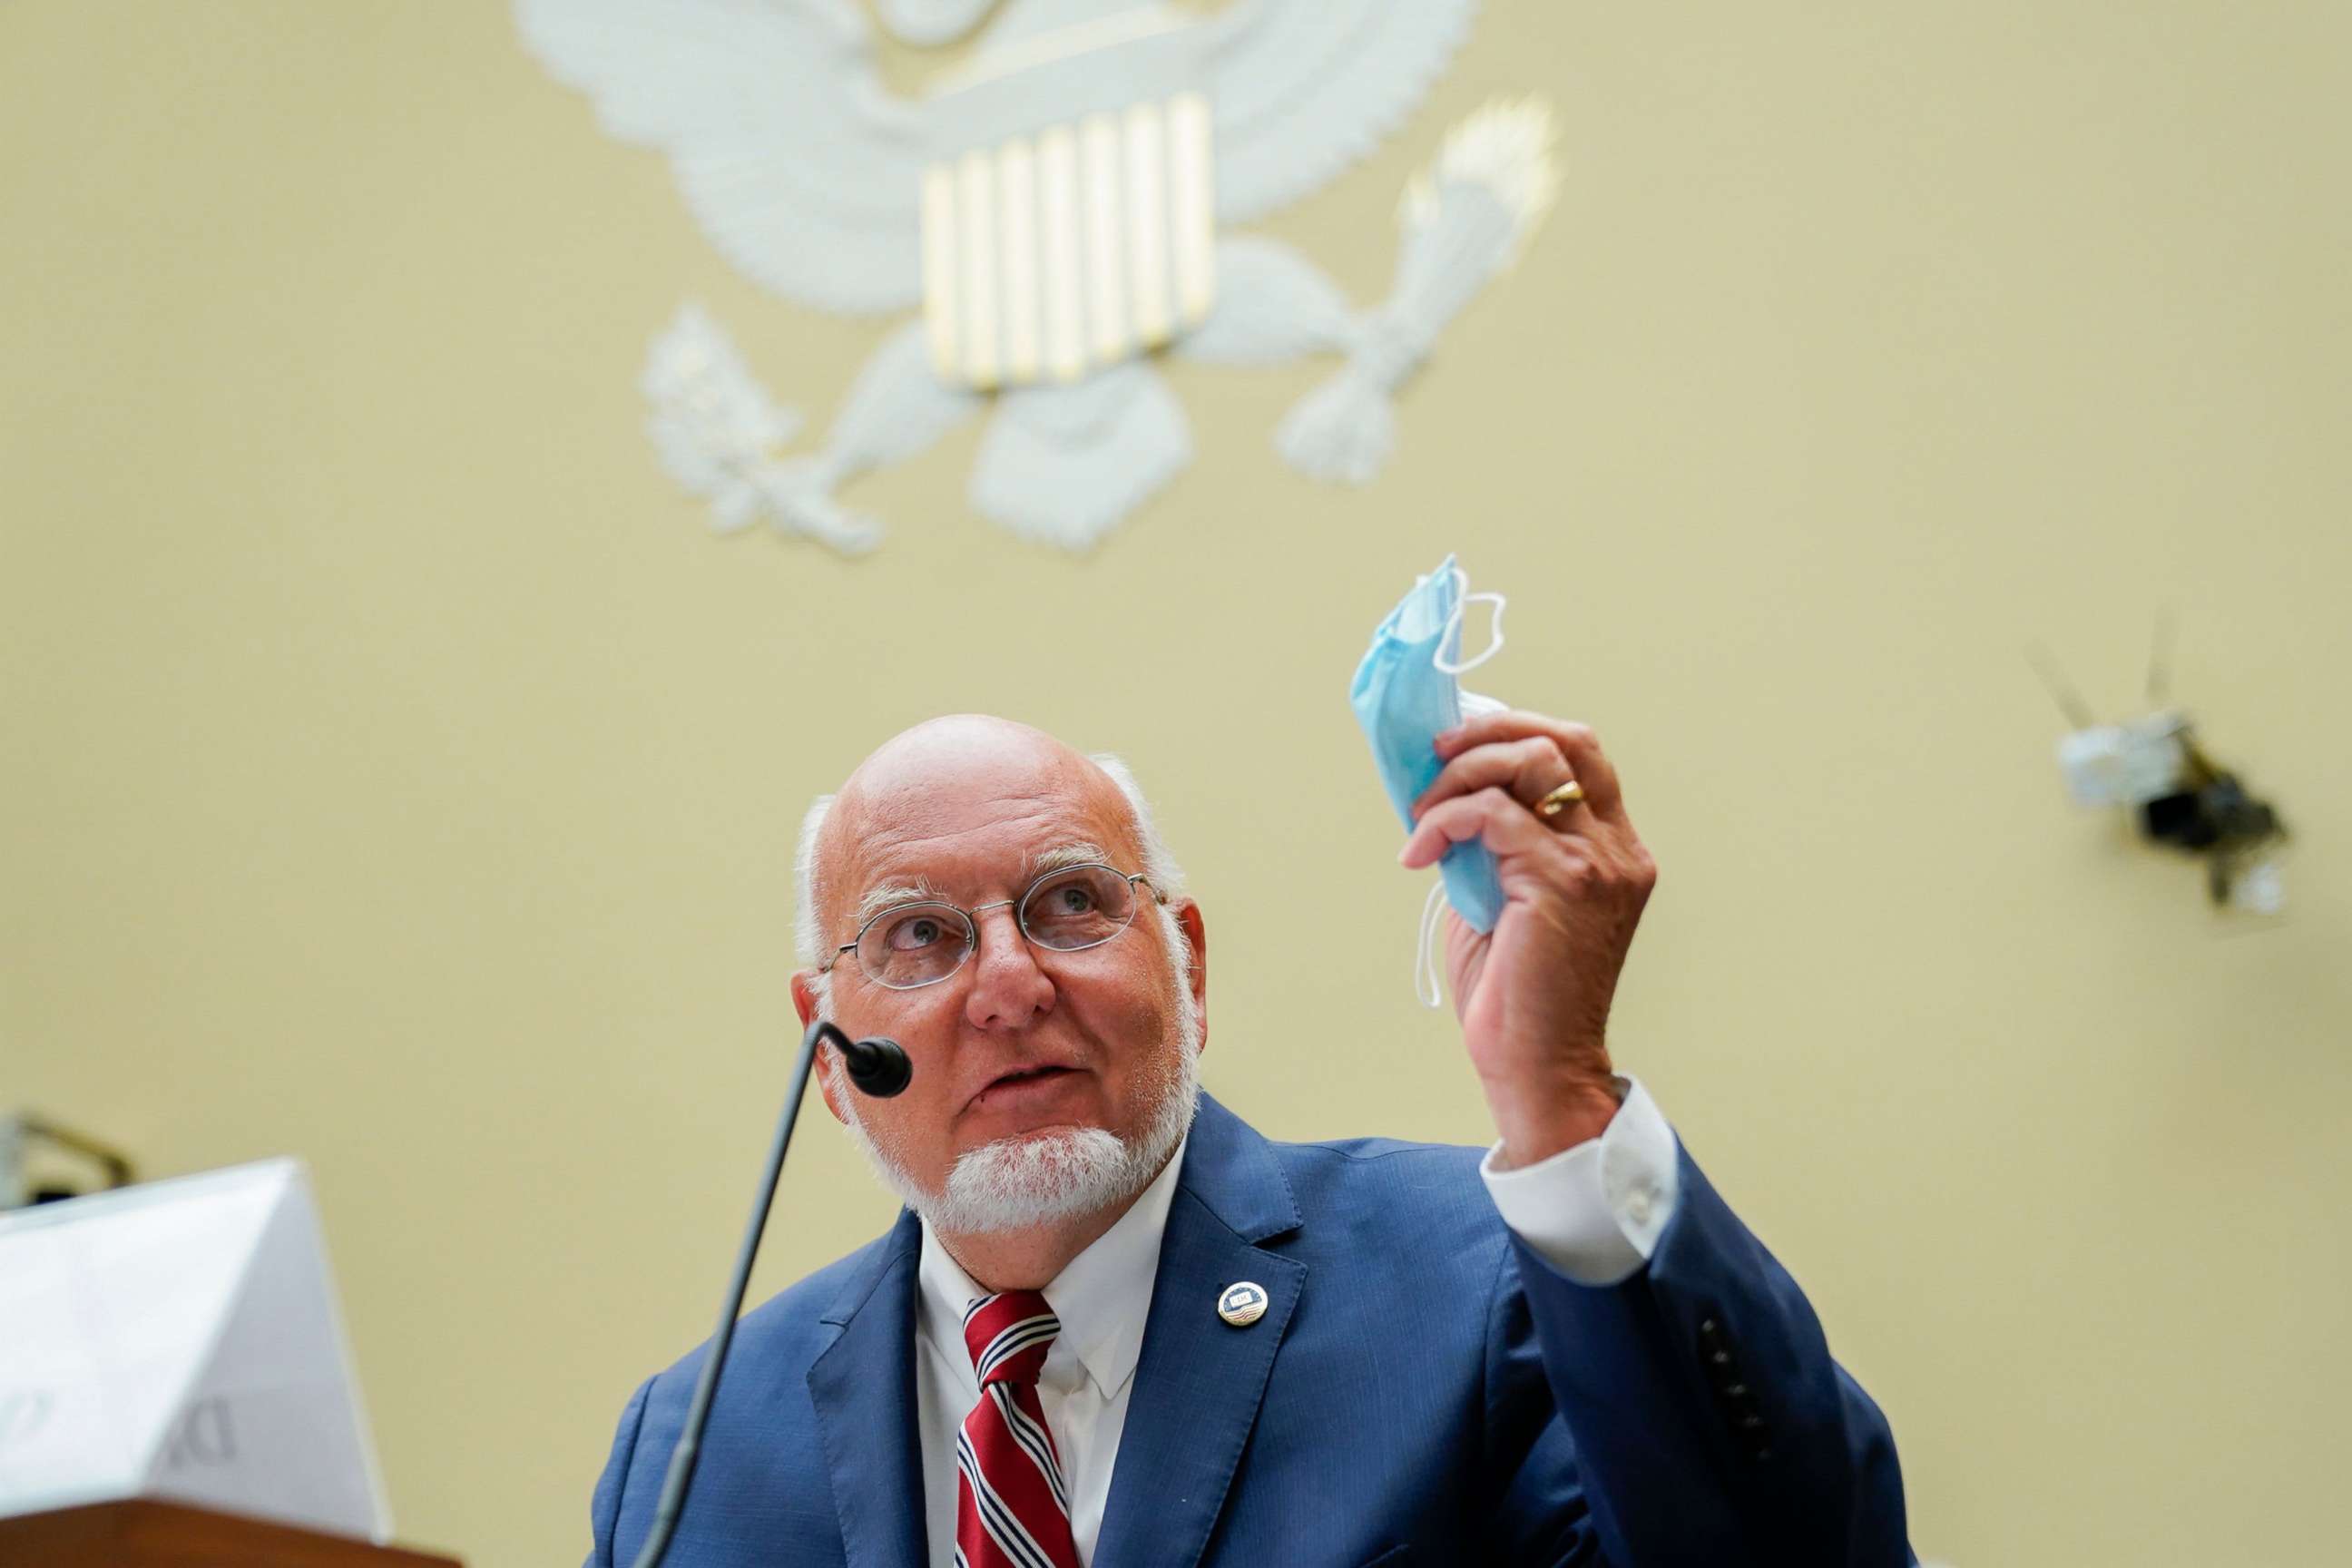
point(396, 773)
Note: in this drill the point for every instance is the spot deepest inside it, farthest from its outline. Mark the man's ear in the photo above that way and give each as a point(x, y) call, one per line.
point(1196, 937)
point(804, 1003)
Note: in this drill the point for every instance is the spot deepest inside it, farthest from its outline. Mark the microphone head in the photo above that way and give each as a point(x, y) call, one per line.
point(878, 1067)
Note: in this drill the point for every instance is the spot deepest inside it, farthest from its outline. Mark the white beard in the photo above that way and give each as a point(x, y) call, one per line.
point(1016, 1182)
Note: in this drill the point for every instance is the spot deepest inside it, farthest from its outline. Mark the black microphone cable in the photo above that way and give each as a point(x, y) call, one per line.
point(878, 1067)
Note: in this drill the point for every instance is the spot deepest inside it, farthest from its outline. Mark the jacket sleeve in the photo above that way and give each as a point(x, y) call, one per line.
point(1697, 1417)
point(604, 1507)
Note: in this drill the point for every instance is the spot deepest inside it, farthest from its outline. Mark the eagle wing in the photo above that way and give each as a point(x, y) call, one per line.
point(1301, 88)
point(796, 162)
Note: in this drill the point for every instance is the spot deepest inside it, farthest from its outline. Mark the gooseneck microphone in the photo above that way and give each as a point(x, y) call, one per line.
point(877, 1067)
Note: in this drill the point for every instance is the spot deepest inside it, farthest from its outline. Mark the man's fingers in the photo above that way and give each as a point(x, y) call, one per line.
point(1492, 814)
point(1577, 743)
point(1527, 770)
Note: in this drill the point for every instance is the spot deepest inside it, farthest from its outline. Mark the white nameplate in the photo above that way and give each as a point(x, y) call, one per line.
point(180, 1340)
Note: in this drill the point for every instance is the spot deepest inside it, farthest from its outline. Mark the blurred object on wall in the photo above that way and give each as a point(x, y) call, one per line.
point(2155, 767)
point(1060, 209)
point(42, 1162)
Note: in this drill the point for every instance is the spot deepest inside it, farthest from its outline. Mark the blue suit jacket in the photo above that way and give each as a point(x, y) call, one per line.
point(1422, 1389)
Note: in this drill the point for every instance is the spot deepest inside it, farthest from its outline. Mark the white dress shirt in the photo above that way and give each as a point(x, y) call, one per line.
point(1594, 1212)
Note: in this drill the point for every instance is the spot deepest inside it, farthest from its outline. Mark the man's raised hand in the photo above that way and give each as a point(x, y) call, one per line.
point(1533, 994)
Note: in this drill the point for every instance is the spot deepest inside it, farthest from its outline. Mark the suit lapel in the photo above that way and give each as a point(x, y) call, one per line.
point(1199, 1382)
point(870, 1444)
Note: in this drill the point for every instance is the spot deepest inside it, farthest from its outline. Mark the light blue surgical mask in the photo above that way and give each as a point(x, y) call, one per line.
point(1404, 694)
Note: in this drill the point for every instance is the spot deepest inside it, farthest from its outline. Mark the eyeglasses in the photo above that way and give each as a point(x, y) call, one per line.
point(922, 943)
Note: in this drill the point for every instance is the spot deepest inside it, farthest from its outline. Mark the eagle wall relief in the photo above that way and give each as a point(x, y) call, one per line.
point(1064, 207)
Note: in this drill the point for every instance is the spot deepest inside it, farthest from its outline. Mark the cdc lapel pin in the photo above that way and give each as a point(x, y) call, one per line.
point(1242, 1304)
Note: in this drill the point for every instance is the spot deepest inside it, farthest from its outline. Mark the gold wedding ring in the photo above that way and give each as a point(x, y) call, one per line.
point(1560, 799)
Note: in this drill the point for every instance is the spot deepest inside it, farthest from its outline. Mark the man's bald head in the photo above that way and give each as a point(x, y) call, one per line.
point(913, 779)
point(916, 777)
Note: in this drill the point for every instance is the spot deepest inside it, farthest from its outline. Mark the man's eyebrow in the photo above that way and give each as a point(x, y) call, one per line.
point(884, 895)
point(1056, 858)
point(887, 895)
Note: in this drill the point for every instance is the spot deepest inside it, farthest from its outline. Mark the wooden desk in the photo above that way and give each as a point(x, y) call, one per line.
point(150, 1534)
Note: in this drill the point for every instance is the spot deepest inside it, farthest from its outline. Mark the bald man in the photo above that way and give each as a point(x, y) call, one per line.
point(1115, 1326)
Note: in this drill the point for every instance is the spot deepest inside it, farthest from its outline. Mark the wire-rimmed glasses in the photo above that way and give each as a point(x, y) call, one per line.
point(922, 942)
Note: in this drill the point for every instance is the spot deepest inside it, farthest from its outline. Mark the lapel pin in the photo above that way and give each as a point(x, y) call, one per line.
point(1242, 1304)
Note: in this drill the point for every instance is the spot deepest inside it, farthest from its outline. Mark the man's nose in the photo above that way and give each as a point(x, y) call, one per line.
point(1009, 991)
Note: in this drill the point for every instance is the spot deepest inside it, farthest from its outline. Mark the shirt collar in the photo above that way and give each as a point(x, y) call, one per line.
point(1102, 1295)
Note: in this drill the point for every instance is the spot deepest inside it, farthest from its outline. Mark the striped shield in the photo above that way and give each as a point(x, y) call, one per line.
point(1047, 255)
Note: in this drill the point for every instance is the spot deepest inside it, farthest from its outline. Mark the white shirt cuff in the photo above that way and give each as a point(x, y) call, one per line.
point(1595, 1212)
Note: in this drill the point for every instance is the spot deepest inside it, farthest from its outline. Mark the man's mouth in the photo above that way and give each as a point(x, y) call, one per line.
point(1023, 1083)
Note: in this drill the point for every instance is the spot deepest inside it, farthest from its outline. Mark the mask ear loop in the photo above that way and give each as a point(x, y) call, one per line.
point(1424, 957)
point(1454, 624)
point(1427, 984)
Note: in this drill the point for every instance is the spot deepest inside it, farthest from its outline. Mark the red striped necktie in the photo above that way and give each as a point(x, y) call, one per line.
point(1013, 1508)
